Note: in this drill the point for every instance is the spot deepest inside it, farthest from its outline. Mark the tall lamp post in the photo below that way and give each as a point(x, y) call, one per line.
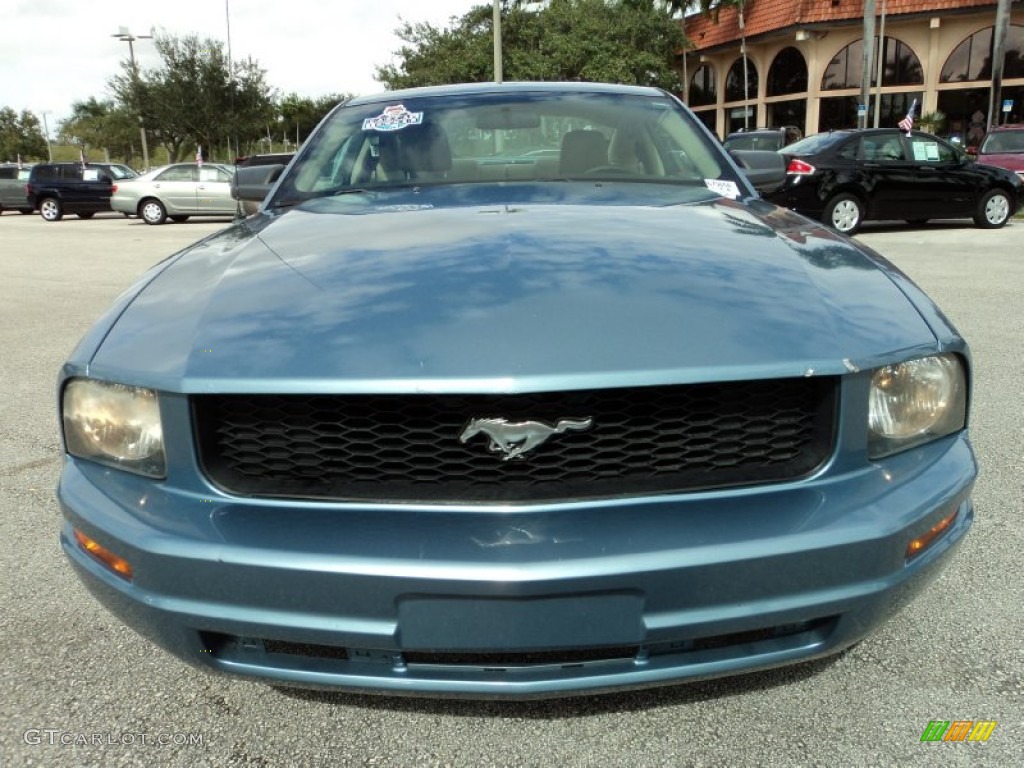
point(125, 36)
point(46, 130)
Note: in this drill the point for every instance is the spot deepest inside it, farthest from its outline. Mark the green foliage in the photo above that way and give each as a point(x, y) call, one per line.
point(95, 123)
point(299, 115)
point(196, 98)
point(21, 135)
point(933, 122)
point(594, 40)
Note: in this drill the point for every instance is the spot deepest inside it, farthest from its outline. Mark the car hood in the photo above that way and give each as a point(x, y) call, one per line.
point(338, 296)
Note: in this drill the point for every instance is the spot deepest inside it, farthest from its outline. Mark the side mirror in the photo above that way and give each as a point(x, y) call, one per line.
point(765, 169)
point(254, 182)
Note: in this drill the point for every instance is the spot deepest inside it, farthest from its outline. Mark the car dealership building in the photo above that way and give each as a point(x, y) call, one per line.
point(804, 65)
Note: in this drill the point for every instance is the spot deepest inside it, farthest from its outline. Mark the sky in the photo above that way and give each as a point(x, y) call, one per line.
point(57, 52)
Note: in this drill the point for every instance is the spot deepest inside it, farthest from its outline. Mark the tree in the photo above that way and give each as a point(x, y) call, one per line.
point(196, 98)
point(596, 40)
point(95, 123)
point(21, 136)
point(299, 115)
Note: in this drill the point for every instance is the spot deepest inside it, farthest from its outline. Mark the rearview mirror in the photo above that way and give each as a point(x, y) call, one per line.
point(765, 169)
point(254, 182)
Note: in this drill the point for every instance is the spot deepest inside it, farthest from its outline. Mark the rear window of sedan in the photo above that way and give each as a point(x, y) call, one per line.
point(520, 136)
point(819, 142)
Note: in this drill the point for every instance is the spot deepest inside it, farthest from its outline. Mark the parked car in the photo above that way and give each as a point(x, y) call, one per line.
point(116, 171)
point(772, 139)
point(848, 177)
point(176, 192)
point(13, 178)
point(249, 207)
point(55, 189)
point(420, 426)
point(1003, 146)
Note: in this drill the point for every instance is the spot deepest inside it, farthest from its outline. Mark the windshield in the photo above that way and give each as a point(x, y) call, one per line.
point(1000, 142)
point(498, 137)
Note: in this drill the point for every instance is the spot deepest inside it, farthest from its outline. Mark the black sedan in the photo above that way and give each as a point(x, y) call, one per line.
point(847, 177)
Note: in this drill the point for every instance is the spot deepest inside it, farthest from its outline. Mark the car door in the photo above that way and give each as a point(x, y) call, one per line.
point(889, 177)
point(944, 182)
point(214, 191)
point(176, 187)
point(88, 188)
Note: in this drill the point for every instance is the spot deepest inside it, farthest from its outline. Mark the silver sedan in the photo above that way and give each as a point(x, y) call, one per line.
point(176, 192)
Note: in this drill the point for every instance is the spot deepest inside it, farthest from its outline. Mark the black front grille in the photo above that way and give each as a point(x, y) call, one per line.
point(406, 447)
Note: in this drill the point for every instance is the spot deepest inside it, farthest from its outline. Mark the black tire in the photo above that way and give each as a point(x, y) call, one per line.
point(51, 209)
point(152, 211)
point(178, 219)
point(994, 209)
point(86, 214)
point(844, 213)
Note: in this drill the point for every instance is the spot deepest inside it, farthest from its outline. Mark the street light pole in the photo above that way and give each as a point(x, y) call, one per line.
point(125, 36)
point(496, 16)
point(46, 130)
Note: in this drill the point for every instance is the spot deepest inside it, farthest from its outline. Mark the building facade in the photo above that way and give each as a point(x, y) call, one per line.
point(804, 65)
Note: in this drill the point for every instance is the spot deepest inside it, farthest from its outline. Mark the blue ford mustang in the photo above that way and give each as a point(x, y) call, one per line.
point(513, 390)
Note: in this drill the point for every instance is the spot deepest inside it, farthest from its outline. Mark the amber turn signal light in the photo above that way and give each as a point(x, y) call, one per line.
point(921, 543)
point(118, 565)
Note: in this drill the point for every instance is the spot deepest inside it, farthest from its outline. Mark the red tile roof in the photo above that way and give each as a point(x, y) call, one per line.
point(763, 16)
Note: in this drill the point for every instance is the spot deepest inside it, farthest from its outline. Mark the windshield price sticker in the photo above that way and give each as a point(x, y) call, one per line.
point(723, 187)
point(393, 119)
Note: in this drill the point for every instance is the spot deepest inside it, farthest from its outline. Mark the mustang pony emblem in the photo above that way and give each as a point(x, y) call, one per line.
point(513, 439)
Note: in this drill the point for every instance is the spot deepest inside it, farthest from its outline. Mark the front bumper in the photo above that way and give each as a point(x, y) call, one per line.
point(518, 602)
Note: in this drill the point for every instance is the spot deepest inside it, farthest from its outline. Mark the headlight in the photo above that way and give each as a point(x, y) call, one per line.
point(114, 424)
point(915, 402)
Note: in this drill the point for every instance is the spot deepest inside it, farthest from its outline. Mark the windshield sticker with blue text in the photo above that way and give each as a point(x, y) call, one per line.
point(723, 187)
point(393, 119)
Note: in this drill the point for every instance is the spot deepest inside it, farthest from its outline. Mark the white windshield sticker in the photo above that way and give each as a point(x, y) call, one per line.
point(392, 119)
point(723, 187)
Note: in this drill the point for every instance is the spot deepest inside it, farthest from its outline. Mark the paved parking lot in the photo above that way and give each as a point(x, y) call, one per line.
point(77, 688)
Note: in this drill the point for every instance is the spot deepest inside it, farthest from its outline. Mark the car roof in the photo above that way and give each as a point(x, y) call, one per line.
point(506, 87)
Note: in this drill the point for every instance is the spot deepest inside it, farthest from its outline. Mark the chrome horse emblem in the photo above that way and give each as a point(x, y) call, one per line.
point(513, 439)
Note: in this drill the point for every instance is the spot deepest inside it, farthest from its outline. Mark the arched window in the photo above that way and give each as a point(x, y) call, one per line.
point(702, 86)
point(901, 66)
point(972, 59)
point(788, 73)
point(734, 81)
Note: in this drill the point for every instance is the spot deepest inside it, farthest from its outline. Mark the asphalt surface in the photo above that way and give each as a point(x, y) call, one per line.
point(79, 689)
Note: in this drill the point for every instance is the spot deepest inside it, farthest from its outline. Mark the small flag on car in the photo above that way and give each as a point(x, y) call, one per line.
point(199, 155)
point(82, 157)
point(907, 123)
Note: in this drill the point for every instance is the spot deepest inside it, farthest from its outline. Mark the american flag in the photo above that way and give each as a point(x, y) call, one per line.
point(199, 155)
point(907, 123)
point(82, 157)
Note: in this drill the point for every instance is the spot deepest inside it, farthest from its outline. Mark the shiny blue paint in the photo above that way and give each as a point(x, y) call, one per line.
point(516, 287)
point(415, 300)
